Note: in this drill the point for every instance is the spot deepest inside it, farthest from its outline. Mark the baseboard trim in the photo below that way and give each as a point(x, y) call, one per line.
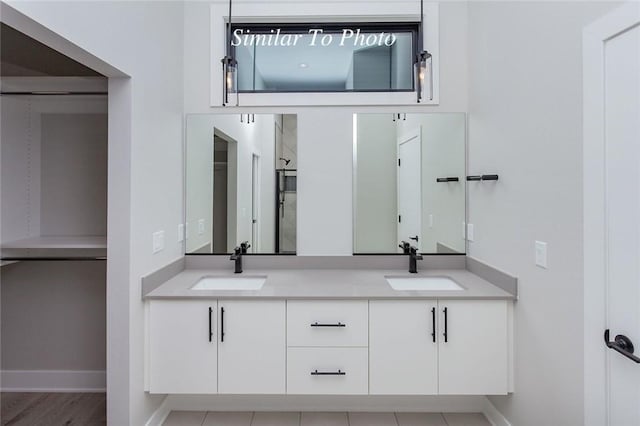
point(160, 415)
point(374, 403)
point(493, 415)
point(83, 381)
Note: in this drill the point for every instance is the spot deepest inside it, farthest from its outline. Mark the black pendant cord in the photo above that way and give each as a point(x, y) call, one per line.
point(421, 40)
point(229, 32)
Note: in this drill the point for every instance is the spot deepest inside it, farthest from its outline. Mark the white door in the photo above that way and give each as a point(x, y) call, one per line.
point(182, 346)
point(251, 346)
point(611, 218)
point(403, 348)
point(473, 347)
point(410, 188)
point(255, 204)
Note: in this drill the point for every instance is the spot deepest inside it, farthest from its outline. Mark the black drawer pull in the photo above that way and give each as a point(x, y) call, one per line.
point(448, 179)
point(433, 324)
point(221, 324)
point(328, 373)
point(210, 325)
point(317, 324)
point(446, 331)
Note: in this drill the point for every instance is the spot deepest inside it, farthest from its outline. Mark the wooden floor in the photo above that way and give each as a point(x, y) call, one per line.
point(53, 409)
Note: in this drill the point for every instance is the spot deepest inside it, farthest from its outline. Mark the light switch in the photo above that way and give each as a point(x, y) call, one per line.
point(200, 226)
point(430, 221)
point(158, 241)
point(541, 254)
point(470, 232)
point(180, 232)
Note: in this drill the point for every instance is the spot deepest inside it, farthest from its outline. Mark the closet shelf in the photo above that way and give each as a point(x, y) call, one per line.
point(49, 247)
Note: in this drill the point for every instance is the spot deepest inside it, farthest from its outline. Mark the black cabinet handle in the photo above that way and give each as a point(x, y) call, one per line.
point(328, 373)
point(433, 324)
point(474, 178)
point(222, 324)
point(621, 344)
point(448, 179)
point(210, 324)
point(446, 332)
point(317, 324)
point(489, 177)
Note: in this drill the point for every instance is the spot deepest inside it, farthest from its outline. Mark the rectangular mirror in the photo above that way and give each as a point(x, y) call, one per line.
point(409, 182)
point(240, 183)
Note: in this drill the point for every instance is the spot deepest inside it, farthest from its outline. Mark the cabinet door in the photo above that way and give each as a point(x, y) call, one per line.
point(402, 347)
point(251, 346)
point(473, 347)
point(182, 346)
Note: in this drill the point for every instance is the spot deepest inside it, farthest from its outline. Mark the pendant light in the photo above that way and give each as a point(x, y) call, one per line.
point(424, 62)
point(229, 69)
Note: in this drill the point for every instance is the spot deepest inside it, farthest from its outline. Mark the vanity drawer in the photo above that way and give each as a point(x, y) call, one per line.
point(327, 371)
point(327, 323)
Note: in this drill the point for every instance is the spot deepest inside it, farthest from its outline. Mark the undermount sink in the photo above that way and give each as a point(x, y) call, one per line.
point(423, 283)
point(230, 283)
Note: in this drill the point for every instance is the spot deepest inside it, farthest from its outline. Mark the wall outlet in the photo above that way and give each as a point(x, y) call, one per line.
point(158, 241)
point(200, 226)
point(430, 221)
point(180, 232)
point(470, 232)
point(541, 254)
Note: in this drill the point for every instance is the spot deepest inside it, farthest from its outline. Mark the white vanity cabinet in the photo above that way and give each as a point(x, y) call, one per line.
point(473, 358)
point(182, 346)
point(251, 346)
point(329, 347)
point(448, 347)
point(403, 348)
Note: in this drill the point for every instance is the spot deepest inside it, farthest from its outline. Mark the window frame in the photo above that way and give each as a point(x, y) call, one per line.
point(412, 27)
point(209, 54)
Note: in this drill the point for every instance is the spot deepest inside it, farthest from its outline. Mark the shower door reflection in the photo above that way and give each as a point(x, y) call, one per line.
point(286, 185)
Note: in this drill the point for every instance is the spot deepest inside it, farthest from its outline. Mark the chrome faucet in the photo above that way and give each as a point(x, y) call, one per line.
point(413, 258)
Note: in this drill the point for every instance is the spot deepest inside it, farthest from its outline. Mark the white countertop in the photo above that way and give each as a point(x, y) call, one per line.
point(327, 284)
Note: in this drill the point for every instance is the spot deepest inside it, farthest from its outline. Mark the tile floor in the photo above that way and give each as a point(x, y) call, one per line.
point(201, 418)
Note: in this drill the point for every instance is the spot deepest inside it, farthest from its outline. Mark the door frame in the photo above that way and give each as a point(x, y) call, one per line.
point(407, 136)
point(256, 198)
point(595, 36)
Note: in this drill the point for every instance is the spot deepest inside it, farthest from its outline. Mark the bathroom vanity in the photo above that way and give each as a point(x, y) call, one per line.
point(329, 332)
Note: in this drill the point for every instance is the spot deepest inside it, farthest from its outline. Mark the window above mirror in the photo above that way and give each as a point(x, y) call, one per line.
point(327, 57)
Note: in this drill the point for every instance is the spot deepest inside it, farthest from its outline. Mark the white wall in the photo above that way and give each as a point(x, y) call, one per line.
point(375, 175)
point(54, 316)
point(327, 186)
point(525, 124)
point(198, 181)
point(145, 40)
